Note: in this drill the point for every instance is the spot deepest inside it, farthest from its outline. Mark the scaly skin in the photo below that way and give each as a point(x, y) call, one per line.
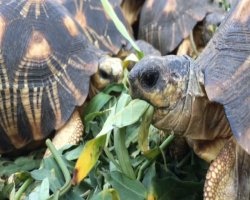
point(219, 184)
point(70, 133)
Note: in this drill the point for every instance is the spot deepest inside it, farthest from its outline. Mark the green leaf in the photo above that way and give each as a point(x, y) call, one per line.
point(74, 154)
point(120, 27)
point(40, 174)
point(125, 117)
point(114, 88)
point(109, 194)
point(171, 187)
point(128, 189)
point(130, 114)
point(144, 129)
point(88, 158)
point(44, 189)
point(147, 181)
point(24, 163)
point(96, 103)
point(122, 153)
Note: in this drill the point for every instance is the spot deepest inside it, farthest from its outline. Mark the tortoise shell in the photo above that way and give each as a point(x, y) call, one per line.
point(45, 68)
point(165, 23)
point(226, 67)
point(97, 25)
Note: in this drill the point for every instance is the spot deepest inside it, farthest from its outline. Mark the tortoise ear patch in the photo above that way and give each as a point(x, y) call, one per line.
point(70, 26)
point(38, 48)
point(2, 28)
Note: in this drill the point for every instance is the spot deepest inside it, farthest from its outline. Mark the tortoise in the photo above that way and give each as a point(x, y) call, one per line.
point(100, 30)
point(46, 64)
point(97, 25)
point(166, 23)
point(207, 101)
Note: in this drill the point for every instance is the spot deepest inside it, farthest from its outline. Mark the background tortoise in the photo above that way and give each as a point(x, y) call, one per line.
point(165, 23)
point(99, 28)
point(207, 101)
point(97, 25)
point(46, 64)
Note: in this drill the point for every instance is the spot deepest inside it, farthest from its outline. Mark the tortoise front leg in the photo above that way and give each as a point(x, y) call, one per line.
point(220, 179)
point(70, 133)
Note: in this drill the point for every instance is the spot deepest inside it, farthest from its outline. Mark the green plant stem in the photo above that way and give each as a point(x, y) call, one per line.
point(167, 142)
point(64, 169)
point(184, 160)
point(143, 167)
point(148, 162)
point(21, 190)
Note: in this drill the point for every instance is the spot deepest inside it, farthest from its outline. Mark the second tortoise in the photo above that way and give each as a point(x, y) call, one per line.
point(207, 101)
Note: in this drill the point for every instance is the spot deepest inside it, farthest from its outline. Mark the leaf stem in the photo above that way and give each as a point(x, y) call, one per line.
point(148, 162)
point(167, 142)
point(184, 160)
point(21, 190)
point(64, 169)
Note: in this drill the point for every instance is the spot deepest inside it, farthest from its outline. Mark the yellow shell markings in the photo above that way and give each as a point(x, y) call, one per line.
point(70, 26)
point(90, 33)
point(8, 113)
point(81, 19)
point(170, 6)
point(29, 89)
point(28, 3)
point(71, 88)
point(39, 50)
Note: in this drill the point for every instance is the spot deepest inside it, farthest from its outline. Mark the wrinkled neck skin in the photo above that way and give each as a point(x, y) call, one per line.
point(194, 116)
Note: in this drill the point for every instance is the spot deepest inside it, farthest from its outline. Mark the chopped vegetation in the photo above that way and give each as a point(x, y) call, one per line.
point(116, 163)
point(122, 156)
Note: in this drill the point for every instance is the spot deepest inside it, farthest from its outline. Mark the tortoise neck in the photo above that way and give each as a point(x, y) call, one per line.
point(178, 118)
point(194, 116)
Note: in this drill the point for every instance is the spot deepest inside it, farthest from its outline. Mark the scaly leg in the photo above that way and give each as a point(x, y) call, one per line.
point(220, 179)
point(70, 133)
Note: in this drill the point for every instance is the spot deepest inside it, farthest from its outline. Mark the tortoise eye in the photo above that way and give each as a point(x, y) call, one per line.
point(149, 78)
point(104, 74)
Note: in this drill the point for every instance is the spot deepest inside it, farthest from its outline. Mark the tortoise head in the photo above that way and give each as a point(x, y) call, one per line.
point(110, 70)
point(162, 81)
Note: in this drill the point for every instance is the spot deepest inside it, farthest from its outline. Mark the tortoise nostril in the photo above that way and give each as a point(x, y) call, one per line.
point(149, 79)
